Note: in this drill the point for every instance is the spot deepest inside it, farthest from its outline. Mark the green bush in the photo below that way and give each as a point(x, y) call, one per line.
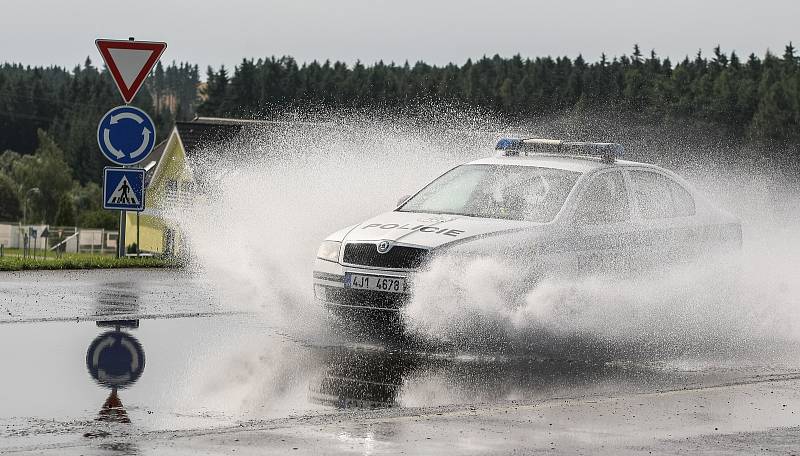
point(9, 263)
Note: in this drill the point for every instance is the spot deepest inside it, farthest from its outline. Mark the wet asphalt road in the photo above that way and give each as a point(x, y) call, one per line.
point(156, 362)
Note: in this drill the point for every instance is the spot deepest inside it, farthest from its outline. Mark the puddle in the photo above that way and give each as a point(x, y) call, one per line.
point(184, 373)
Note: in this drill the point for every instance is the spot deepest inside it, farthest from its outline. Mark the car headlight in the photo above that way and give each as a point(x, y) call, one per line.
point(329, 250)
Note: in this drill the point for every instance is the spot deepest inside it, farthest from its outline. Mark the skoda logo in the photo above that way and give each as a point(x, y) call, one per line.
point(384, 246)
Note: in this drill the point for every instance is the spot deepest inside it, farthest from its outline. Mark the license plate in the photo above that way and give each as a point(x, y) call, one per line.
point(375, 283)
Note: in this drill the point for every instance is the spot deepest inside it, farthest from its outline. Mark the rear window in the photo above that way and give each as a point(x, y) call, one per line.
point(658, 196)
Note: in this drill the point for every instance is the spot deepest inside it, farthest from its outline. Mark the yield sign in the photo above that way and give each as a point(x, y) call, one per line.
point(130, 62)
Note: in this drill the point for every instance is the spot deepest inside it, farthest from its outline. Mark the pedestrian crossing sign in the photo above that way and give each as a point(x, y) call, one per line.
point(123, 189)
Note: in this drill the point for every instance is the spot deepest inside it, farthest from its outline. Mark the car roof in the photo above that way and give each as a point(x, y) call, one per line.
point(580, 164)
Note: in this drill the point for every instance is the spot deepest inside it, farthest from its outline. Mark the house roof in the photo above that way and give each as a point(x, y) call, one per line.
point(203, 132)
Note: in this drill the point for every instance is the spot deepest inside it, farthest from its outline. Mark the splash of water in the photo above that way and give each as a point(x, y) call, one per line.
point(744, 304)
point(279, 190)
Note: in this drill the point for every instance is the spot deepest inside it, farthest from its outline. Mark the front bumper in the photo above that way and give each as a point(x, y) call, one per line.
point(329, 288)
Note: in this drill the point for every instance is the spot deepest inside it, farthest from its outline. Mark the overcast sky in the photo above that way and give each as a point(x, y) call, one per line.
point(62, 32)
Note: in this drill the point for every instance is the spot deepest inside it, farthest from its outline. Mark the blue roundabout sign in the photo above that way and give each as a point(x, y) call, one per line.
point(126, 135)
point(115, 359)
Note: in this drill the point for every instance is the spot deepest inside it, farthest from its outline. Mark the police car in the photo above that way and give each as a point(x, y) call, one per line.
point(558, 207)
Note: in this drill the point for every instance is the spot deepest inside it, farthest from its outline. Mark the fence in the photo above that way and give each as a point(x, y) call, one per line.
point(31, 239)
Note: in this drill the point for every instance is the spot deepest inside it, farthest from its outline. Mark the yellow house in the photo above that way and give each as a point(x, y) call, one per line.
point(169, 177)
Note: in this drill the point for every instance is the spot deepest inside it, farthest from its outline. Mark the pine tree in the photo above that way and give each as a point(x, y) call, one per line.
point(789, 57)
point(756, 96)
point(637, 55)
point(775, 118)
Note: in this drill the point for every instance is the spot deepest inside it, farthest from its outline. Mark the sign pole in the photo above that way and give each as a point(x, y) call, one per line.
point(121, 238)
point(138, 246)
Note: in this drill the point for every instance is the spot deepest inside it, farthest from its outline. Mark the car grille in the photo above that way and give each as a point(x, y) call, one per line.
point(398, 257)
point(364, 298)
point(345, 392)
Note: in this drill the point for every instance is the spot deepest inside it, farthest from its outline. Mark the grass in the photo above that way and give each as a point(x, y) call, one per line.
point(82, 261)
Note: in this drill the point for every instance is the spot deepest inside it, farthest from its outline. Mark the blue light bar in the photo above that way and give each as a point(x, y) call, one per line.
point(509, 144)
point(607, 152)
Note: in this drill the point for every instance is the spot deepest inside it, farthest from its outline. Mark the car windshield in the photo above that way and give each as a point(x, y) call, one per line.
point(496, 191)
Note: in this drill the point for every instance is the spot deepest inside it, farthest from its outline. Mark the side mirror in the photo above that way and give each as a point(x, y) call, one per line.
point(403, 200)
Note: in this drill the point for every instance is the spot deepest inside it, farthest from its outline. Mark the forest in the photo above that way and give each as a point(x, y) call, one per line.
point(48, 123)
point(755, 98)
point(48, 116)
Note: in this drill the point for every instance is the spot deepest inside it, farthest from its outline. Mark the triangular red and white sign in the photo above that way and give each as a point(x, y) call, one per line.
point(130, 62)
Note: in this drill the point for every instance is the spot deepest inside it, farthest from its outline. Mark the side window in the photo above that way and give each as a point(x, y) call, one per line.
point(660, 197)
point(684, 201)
point(604, 200)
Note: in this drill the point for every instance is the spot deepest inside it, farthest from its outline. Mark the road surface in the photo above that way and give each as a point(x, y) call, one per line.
point(211, 377)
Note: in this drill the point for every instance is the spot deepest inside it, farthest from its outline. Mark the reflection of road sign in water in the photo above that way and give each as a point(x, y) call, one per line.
point(129, 62)
point(123, 189)
point(126, 135)
point(115, 359)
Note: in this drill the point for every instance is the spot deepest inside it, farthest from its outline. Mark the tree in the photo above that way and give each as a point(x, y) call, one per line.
point(789, 56)
point(774, 118)
point(9, 201)
point(99, 218)
point(7, 160)
point(87, 197)
point(67, 105)
point(65, 215)
point(47, 171)
point(215, 92)
point(720, 60)
point(637, 55)
point(755, 96)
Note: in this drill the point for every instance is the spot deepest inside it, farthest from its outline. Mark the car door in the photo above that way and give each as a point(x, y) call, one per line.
point(664, 211)
point(602, 224)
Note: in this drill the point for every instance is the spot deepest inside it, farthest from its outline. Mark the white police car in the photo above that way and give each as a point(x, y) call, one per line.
point(559, 206)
